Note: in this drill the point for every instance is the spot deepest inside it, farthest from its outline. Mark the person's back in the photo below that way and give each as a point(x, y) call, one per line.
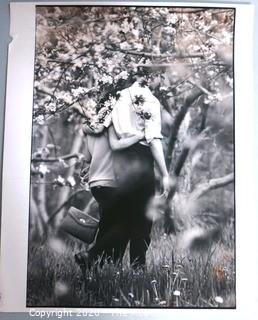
point(112, 237)
point(99, 155)
point(137, 110)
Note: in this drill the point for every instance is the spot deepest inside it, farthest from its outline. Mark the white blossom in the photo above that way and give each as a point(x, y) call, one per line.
point(125, 45)
point(67, 98)
point(51, 107)
point(124, 75)
point(43, 169)
point(60, 180)
point(177, 293)
point(107, 79)
point(172, 18)
point(78, 63)
point(138, 46)
point(78, 91)
point(40, 119)
point(99, 47)
point(219, 300)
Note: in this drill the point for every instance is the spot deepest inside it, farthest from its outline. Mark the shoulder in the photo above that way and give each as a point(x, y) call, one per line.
point(153, 102)
point(124, 92)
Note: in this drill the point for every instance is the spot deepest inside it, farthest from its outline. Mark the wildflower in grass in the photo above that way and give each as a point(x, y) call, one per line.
point(166, 266)
point(184, 283)
point(130, 295)
point(137, 303)
point(154, 282)
point(177, 293)
point(219, 300)
point(115, 301)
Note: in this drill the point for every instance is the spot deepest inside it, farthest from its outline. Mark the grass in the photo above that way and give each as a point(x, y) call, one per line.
point(174, 277)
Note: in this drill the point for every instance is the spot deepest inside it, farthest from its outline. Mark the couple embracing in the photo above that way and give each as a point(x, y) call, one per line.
point(121, 154)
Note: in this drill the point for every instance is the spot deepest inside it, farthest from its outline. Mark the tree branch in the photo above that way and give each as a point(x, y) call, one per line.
point(151, 55)
point(205, 187)
point(183, 10)
point(66, 157)
point(200, 87)
point(191, 64)
point(40, 91)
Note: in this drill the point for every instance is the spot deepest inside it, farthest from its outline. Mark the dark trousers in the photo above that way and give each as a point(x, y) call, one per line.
point(123, 209)
point(111, 240)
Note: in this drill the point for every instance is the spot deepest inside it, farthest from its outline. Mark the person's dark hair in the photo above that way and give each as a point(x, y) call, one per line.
point(143, 71)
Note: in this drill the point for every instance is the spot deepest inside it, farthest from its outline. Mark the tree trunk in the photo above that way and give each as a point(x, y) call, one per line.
point(36, 225)
point(42, 186)
point(65, 191)
point(177, 123)
point(169, 226)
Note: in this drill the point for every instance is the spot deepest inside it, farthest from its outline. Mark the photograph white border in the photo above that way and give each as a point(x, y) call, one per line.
point(17, 153)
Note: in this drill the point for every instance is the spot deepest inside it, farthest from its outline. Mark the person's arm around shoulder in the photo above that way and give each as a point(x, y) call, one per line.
point(123, 143)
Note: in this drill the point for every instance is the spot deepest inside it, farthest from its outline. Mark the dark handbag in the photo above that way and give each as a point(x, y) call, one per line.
point(80, 225)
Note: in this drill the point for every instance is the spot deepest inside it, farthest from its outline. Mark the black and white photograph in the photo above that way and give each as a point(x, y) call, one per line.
point(128, 167)
point(132, 193)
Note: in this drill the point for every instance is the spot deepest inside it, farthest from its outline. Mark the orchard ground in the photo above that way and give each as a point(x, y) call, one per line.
point(174, 277)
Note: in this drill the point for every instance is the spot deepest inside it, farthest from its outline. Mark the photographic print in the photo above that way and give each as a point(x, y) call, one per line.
point(132, 197)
